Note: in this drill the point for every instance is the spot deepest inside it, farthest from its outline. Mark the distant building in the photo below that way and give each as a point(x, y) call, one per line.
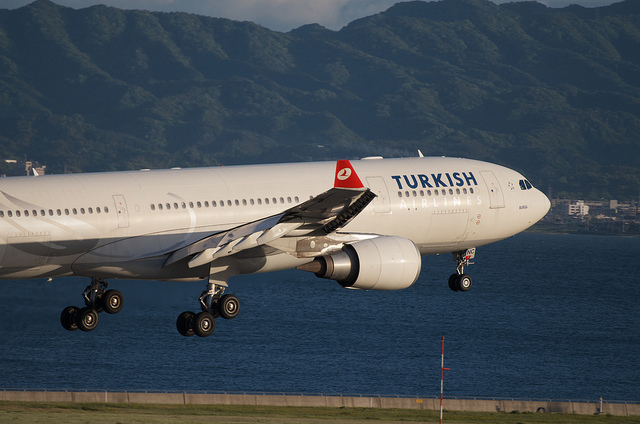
point(14, 168)
point(577, 208)
point(33, 169)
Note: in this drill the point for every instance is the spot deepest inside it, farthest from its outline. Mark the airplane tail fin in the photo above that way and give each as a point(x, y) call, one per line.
point(346, 176)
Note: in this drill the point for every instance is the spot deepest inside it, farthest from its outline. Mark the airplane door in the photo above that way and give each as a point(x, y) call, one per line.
point(121, 210)
point(379, 188)
point(495, 192)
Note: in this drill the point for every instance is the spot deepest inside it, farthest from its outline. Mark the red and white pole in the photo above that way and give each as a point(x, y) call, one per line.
point(442, 370)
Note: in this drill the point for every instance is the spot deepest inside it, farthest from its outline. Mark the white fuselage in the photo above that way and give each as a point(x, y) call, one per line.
point(126, 224)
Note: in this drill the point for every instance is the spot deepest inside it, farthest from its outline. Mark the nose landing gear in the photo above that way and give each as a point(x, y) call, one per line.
point(96, 299)
point(460, 281)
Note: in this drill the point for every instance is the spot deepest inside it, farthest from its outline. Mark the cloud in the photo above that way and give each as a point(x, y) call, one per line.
point(284, 15)
point(584, 3)
point(279, 15)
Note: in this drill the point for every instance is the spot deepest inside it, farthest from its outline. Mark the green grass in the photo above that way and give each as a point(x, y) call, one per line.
point(97, 413)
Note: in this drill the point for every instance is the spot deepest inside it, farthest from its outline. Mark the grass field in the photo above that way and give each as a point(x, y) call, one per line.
point(96, 413)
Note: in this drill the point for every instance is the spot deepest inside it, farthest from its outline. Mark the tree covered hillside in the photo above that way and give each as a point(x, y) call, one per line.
point(554, 93)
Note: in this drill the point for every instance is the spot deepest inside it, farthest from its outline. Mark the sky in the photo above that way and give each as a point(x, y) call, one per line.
point(278, 15)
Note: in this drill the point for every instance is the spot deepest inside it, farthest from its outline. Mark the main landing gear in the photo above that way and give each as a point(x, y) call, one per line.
point(96, 299)
point(213, 303)
point(461, 281)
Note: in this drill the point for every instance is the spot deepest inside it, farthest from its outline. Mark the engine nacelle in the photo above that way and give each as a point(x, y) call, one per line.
point(381, 263)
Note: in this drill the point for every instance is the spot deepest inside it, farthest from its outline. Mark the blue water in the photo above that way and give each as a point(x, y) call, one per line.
point(551, 316)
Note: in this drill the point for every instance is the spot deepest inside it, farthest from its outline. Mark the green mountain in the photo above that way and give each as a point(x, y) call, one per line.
point(554, 93)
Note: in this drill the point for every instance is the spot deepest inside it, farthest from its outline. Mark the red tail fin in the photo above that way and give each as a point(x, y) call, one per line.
point(346, 176)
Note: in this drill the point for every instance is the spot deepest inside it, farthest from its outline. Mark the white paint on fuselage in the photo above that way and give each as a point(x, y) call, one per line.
point(48, 223)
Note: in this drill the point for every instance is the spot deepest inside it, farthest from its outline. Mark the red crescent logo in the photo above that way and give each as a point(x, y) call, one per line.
point(344, 174)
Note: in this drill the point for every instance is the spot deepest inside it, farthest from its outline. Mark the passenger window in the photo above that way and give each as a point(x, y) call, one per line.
point(82, 210)
point(191, 205)
point(98, 210)
point(90, 210)
point(66, 211)
point(471, 190)
point(206, 203)
point(259, 201)
point(1, 214)
point(10, 214)
point(198, 204)
point(18, 214)
point(214, 203)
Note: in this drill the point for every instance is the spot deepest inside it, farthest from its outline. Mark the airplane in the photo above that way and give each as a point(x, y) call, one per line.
point(363, 223)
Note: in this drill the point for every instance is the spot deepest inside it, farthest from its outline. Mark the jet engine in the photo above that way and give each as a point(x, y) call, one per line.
point(381, 263)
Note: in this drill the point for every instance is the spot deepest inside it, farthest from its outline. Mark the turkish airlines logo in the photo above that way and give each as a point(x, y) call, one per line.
point(344, 174)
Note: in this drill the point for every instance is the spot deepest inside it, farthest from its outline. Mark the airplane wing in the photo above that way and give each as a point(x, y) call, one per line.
point(321, 215)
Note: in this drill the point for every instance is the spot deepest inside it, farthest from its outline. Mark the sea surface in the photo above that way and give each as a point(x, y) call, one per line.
point(549, 316)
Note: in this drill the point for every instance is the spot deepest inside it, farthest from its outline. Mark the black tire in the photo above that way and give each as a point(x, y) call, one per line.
point(228, 306)
point(453, 282)
point(204, 324)
point(87, 319)
point(112, 301)
point(184, 323)
point(68, 318)
point(464, 282)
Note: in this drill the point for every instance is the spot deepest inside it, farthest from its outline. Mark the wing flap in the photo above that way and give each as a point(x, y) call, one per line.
point(320, 215)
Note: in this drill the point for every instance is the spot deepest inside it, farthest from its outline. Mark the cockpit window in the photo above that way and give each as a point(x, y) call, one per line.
point(525, 185)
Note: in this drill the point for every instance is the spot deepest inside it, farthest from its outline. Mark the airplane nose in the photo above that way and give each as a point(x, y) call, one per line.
point(543, 206)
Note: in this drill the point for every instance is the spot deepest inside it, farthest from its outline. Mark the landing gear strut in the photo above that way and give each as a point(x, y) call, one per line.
point(96, 299)
point(461, 281)
point(213, 303)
